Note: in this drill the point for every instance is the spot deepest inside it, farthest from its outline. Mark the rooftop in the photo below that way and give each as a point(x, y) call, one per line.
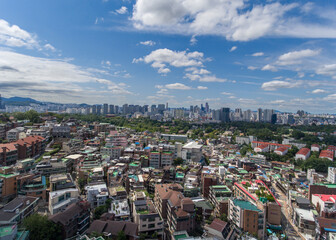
point(245, 205)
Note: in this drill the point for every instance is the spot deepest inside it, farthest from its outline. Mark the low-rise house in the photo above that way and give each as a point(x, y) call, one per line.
point(112, 228)
point(304, 220)
point(303, 154)
point(328, 154)
point(218, 229)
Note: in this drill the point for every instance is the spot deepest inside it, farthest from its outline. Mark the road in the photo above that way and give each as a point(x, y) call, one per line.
point(287, 225)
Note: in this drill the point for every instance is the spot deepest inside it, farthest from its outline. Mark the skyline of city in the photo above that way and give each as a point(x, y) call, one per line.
point(269, 54)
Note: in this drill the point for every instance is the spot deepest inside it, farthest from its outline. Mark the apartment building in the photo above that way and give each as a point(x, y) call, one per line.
point(59, 200)
point(332, 175)
point(146, 216)
point(114, 152)
point(8, 182)
point(159, 159)
point(173, 206)
point(192, 152)
point(74, 220)
point(247, 217)
point(18, 209)
point(97, 194)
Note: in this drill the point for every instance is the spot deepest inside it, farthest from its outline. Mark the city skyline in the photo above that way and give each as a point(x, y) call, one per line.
point(237, 54)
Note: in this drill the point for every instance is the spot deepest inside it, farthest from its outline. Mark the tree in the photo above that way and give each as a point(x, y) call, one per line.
point(40, 228)
point(223, 217)
point(178, 161)
point(121, 235)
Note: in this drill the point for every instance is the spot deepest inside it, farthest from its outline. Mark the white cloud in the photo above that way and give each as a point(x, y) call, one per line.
point(226, 93)
point(177, 86)
point(14, 36)
point(122, 10)
point(331, 97)
point(48, 46)
point(148, 43)
point(193, 40)
point(258, 54)
point(278, 102)
point(318, 91)
point(231, 18)
point(269, 67)
point(295, 57)
point(50, 79)
point(252, 68)
point(328, 70)
point(160, 58)
point(238, 20)
point(233, 48)
point(276, 84)
point(202, 88)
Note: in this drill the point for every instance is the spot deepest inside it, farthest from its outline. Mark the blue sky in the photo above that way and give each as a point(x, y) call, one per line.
point(235, 53)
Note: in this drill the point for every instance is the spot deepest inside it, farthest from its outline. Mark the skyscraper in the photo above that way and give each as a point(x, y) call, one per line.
point(225, 115)
point(105, 108)
point(259, 115)
point(2, 106)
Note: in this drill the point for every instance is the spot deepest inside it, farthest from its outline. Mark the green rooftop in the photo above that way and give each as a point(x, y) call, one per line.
point(246, 205)
point(134, 164)
point(5, 231)
point(8, 175)
point(180, 236)
point(179, 175)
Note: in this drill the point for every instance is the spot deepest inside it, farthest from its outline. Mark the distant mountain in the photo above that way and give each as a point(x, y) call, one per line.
point(18, 101)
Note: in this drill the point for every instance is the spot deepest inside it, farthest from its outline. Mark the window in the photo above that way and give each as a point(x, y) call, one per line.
point(151, 225)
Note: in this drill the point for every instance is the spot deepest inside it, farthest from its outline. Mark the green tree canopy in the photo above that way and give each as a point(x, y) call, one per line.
point(40, 228)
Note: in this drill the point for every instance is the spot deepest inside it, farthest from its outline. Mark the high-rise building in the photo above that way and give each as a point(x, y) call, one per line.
point(207, 108)
point(105, 108)
point(99, 109)
point(225, 115)
point(259, 115)
point(125, 109)
point(268, 115)
point(2, 106)
point(161, 108)
point(94, 109)
point(111, 110)
point(166, 105)
point(153, 108)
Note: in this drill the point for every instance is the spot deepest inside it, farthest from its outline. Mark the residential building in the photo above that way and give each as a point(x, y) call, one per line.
point(146, 216)
point(73, 145)
point(160, 159)
point(323, 202)
point(59, 200)
point(61, 131)
point(15, 134)
point(315, 148)
point(303, 154)
point(329, 189)
point(114, 152)
point(74, 220)
point(332, 175)
point(18, 209)
point(304, 220)
point(97, 194)
point(218, 229)
point(247, 217)
point(113, 228)
point(8, 182)
point(120, 209)
point(328, 154)
point(192, 152)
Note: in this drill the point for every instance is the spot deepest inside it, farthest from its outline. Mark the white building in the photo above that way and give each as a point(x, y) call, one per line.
point(332, 175)
point(61, 199)
point(322, 202)
point(192, 152)
point(315, 148)
point(97, 194)
point(120, 209)
point(303, 154)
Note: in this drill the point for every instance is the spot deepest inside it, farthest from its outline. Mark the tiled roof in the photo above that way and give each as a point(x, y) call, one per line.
point(303, 151)
point(326, 154)
point(218, 225)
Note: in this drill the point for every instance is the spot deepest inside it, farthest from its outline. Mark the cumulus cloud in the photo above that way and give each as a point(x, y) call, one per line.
point(276, 84)
point(160, 58)
point(295, 57)
point(231, 18)
point(331, 97)
point(14, 36)
point(318, 91)
point(252, 68)
point(122, 10)
point(202, 88)
point(269, 67)
point(278, 102)
point(328, 70)
point(148, 43)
